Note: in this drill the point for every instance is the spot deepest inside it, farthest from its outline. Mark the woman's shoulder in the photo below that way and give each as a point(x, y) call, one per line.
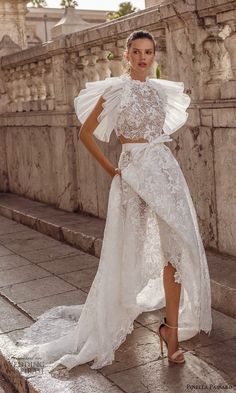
point(176, 103)
point(167, 84)
point(110, 89)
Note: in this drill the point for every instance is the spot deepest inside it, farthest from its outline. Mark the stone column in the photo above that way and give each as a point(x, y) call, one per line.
point(12, 17)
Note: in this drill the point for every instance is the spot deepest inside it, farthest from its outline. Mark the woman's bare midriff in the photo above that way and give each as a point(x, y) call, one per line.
point(122, 139)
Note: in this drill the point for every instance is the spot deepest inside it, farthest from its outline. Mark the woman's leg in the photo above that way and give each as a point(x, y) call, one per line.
point(172, 295)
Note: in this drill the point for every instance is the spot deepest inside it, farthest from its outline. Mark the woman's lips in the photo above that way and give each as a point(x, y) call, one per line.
point(142, 65)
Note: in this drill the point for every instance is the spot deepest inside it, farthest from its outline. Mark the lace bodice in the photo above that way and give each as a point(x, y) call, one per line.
point(141, 113)
point(135, 109)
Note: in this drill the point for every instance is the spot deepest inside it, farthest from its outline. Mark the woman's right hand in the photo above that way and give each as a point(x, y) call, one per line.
point(117, 171)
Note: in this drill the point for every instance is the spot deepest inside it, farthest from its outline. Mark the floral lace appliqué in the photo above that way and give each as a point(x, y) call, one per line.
point(141, 112)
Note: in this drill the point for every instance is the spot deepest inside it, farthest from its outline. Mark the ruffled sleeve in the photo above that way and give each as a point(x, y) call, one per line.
point(175, 101)
point(110, 89)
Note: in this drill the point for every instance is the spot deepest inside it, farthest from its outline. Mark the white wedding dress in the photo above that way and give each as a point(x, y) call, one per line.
point(150, 220)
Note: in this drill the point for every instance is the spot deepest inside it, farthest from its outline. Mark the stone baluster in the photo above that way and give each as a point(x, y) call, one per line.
point(10, 85)
point(91, 69)
point(60, 82)
point(34, 82)
point(26, 87)
point(3, 90)
point(21, 85)
point(73, 76)
point(228, 88)
point(15, 86)
point(161, 54)
point(103, 62)
point(40, 81)
point(117, 65)
point(84, 75)
point(19, 88)
point(48, 79)
point(216, 59)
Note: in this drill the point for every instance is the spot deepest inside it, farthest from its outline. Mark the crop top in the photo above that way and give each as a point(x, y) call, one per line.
point(133, 108)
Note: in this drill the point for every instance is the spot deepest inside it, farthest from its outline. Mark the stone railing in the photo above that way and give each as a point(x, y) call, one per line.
point(40, 156)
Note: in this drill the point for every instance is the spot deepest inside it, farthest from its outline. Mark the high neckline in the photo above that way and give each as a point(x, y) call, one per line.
point(128, 76)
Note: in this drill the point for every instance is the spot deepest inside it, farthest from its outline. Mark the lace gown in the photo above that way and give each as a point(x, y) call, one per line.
point(150, 220)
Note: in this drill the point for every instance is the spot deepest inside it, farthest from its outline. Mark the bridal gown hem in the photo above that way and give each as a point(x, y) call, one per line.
point(151, 220)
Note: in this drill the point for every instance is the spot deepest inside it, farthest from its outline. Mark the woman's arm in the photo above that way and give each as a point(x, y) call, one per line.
point(86, 137)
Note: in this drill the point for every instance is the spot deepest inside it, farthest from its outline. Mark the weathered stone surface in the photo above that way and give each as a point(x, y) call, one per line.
point(157, 376)
point(36, 289)
point(25, 241)
point(70, 264)
point(11, 318)
point(214, 354)
point(148, 318)
point(13, 21)
point(223, 278)
point(11, 261)
point(80, 279)
point(225, 183)
point(36, 307)
point(4, 251)
point(12, 227)
point(82, 379)
point(22, 274)
point(5, 386)
point(193, 149)
point(3, 162)
point(50, 253)
point(224, 117)
point(140, 347)
point(48, 154)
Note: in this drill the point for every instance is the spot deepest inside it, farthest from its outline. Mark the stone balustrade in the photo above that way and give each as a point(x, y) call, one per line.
point(40, 156)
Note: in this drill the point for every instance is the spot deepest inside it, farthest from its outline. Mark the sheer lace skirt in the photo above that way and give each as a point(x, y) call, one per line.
point(150, 221)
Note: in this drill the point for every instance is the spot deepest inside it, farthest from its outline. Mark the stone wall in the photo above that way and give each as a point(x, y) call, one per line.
point(40, 155)
point(12, 17)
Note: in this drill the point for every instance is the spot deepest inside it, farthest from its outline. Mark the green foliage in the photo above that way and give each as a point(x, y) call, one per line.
point(125, 8)
point(69, 3)
point(39, 3)
point(110, 56)
point(158, 72)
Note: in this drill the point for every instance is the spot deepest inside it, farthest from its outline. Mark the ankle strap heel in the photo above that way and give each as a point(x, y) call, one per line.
point(173, 327)
point(171, 358)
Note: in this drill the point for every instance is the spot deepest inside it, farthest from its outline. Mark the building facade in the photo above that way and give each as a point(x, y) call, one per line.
point(40, 21)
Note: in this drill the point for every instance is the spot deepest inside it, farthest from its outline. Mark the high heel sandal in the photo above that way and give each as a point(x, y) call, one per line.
point(173, 357)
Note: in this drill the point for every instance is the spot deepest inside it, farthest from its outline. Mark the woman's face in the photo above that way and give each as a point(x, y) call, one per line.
point(140, 55)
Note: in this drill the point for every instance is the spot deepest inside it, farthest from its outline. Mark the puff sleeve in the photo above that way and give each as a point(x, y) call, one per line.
point(110, 89)
point(175, 102)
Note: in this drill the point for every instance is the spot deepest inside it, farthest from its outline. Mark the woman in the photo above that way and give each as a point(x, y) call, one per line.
point(152, 254)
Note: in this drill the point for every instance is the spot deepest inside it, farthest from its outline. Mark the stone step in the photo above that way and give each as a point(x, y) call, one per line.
point(81, 231)
point(5, 386)
point(85, 233)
